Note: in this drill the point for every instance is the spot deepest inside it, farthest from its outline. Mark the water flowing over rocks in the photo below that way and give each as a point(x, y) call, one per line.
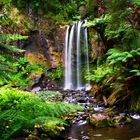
point(96, 115)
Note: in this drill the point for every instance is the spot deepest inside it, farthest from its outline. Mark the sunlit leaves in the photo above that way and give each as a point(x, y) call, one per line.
point(97, 22)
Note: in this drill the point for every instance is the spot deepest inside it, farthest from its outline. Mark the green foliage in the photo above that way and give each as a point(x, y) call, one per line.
point(117, 56)
point(22, 71)
point(124, 31)
point(56, 73)
point(136, 3)
point(6, 39)
point(134, 105)
point(6, 53)
point(60, 10)
point(22, 112)
point(6, 2)
point(102, 72)
point(50, 95)
point(119, 5)
point(98, 22)
point(135, 72)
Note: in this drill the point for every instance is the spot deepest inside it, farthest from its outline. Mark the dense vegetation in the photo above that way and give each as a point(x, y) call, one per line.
point(26, 114)
point(114, 36)
point(118, 30)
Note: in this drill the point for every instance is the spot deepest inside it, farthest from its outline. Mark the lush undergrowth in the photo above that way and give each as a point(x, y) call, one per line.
point(116, 53)
point(24, 114)
point(114, 58)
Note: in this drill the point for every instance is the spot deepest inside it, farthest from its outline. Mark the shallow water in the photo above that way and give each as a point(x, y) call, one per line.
point(125, 132)
point(82, 130)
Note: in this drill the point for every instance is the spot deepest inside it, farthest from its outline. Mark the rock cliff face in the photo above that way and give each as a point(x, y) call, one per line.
point(46, 49)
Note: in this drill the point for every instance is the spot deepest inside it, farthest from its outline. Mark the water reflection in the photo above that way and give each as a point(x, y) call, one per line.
point(118, 133)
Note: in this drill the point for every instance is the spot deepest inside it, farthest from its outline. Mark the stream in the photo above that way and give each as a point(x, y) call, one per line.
point(82, 130)
point(88, 132)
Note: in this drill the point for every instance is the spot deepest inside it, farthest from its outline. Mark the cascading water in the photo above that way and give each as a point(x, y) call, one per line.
point(66, 82)
point(74, 62)
point(78, 52)
point(87, 56)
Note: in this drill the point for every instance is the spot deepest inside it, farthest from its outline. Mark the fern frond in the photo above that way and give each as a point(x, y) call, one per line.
point(117, 56)
point(21, 112)
point(4, 38)
point(6, 48)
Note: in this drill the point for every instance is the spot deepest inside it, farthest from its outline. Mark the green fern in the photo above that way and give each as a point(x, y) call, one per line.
point(5, 54)
point(136, 3)
point(22, 112)
point(5, 39)
point(116, 56)
point(101, 73)
point(97, 22)
point(11, 37)
point(50, 95)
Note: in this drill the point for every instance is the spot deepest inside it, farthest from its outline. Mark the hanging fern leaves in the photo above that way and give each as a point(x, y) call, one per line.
point(11, 37)
point(118, 56)
point(6, 39)
point(6, 49)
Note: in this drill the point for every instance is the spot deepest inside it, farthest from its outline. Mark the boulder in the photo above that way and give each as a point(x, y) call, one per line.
point(101, 120)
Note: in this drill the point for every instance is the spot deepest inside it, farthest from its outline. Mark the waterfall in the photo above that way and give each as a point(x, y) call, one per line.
point(87, 56)
point(78, 54)
point(74, 47)
point(68, 58)
point(66, 82)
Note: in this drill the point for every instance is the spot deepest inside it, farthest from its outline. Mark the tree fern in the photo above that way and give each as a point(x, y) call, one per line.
point(6, 39)
point(6, 49)
point(101, 73)
point(118, 56)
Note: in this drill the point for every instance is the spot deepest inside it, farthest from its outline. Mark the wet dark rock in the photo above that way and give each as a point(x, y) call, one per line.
point(82, 100)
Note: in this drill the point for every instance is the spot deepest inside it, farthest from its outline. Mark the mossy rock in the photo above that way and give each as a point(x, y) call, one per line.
point(122, 118)
point(37, 58)
point(101, 120)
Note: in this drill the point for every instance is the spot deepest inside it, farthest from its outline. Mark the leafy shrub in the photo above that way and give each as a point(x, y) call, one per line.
point(6, 54)
point(22, 71)
point(136, 3)
point(101, 73)
point(56, 73)
point(22, 112)
point(118, 56)
point(98, 23)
